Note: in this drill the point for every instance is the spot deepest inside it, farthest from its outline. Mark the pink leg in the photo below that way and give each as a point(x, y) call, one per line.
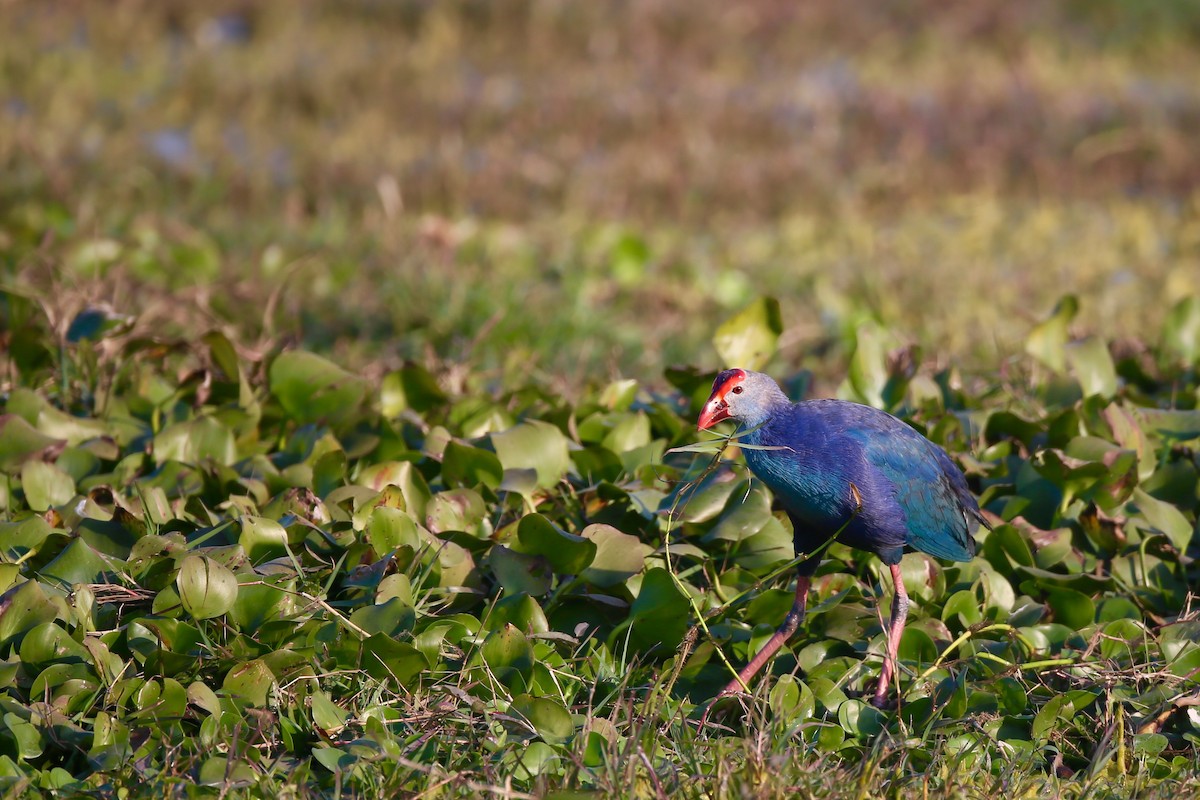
point(785, 631)
point(894, 632)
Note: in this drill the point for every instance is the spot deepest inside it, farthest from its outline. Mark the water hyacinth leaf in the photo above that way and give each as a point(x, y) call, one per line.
point(519, 573)
point(465, 466)
point(1181, 330)
point(262, 538)
point(385, 659)
point(1057, 709)
point(1048, 340)
point(520, 610)
point(77, 563)
point(1165, 518)
point(389, 529)
point(23, 608)
point(326, 714)
point(1092, 366)
point(19, 538)
point(312, 389)
point(207, 589)
point(660, 613)
point(46, 485)
point(748, 339)
point(457, 510)
point(411, 387)
point(1071, 608)
point(251, 681)
point(618, 556)
point(508, 656)
point(388, 618)
point(194, 441)
point(548, 717)
point(792, 699)
point(534, 445)
point(20, 441)
point(567, 553)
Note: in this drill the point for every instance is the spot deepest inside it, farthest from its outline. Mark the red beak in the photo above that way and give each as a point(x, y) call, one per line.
point(714, 411)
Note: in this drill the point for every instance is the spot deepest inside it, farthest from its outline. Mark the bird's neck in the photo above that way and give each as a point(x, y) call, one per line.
point(774, 402)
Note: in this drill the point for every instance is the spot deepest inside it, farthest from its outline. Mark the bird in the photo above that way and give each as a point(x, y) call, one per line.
point(850, 472)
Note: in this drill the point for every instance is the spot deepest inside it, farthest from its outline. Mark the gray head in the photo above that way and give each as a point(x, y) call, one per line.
point(741, 395)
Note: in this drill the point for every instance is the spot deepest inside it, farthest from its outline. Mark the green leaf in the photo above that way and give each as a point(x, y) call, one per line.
point(1166, 518)
point(23, 608)
point(1181, 330)
point(388, 618)
point(1092, 366)
point(749, 338)
point(548, 717)
point(206, 588)
point(537, 446)
point(519, 573)
point(194, 441)
point(327, 715)
point(262, 538)
point(567, 553)
point(77, 563)
point(509, 656)
point(467, 466)
point(660, 613)
point(312, 389)
point(618, 557)
point(20, 441)
point(385, 659)
point(1071, 608)
point(46, 485)
point(251, 681)
point(1048, 340)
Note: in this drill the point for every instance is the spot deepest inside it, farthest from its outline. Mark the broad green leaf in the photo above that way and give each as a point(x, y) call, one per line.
point(262, 538)
point(1092, 366)
point(534, 445)
point(509, 656)
point(327, 715)
point(660, 613)
point(548, 717)
point(567, 553)
point(194, 441)
point(618, 557)
point(389, 618)
point(465, 466)
point(20, 441)
point(77, 563)
point(399, 663)
point(519, 573)
point(206, 588)
point(749, 338)
point(312, 389)
point(1181, 330)
point(1048, 340)
point(46, 485)
point(1166, 518)
point(251, 681)
point(23, 608)
point(411, 387)
point(1071, 608)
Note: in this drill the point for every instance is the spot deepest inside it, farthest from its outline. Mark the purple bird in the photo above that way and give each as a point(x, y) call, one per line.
point(839, 466)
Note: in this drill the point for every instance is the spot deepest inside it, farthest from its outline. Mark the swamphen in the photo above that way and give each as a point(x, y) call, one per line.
point(839, 466)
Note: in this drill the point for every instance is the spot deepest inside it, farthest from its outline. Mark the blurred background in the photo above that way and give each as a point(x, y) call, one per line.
point(514, 190)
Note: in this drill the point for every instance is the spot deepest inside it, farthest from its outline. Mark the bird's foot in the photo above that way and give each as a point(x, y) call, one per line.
point(883, 702)
point(720, 708)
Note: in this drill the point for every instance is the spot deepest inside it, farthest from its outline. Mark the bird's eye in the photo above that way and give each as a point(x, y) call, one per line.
point(737, 390)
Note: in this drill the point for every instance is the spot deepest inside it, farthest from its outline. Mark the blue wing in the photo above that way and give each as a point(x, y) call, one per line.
point(940, 512)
